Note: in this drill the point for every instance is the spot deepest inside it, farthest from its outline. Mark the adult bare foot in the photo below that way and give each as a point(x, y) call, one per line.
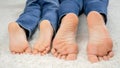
point(99, 44)
point(42, 45)
point(17, 37)
point(64, 43)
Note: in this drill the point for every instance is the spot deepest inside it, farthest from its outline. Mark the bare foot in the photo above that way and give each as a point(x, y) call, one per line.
point(64, 44)
point(42, 46)
point(99, 44)
point(17, 37)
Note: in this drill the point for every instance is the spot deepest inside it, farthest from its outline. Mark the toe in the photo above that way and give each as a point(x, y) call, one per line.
point(111, 54)
point(71, 57)
point(55, 54)
point(100, 58)
point(93, 58)
point(105, 58)
point(35, 51)
point(63, 57)
point(28, 50)
point(42, 54)
point(47, 49)
point(53, 51)
point(45, 52)
point(59, 56)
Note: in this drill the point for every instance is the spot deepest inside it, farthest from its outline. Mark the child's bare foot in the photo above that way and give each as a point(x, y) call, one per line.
point(64, 44)
point(99, 44)
point(42, 46)
point(18, 41)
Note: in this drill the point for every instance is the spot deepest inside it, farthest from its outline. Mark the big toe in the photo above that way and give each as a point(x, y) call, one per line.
point(111, 54)
point(93, 58)
point(46, 50)
point(28, 50)
point(53, 51)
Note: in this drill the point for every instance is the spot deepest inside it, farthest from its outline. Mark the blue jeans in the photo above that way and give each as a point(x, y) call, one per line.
point(96, 5)
point(36, 11)
point(70, 6)
point(83, 6)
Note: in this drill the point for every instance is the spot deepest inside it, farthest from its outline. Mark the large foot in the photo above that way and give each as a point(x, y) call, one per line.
point(42, 45)
point(18, 42)
point(64, 44)
point(99, 44)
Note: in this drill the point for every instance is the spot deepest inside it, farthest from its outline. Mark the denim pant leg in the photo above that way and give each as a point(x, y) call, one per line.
point(49, 12)
point(29, 19)
point(70, 6)
point(96, 5)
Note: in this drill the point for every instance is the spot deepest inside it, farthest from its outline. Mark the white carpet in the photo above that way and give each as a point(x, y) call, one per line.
point(10, 10)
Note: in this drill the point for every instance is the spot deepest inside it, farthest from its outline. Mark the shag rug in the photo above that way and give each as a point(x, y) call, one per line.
point(11, 9)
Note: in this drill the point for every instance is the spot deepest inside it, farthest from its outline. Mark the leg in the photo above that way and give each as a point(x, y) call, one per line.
point(28, 20)
point(47, 26)
point(64, 43)
point(99, 44)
